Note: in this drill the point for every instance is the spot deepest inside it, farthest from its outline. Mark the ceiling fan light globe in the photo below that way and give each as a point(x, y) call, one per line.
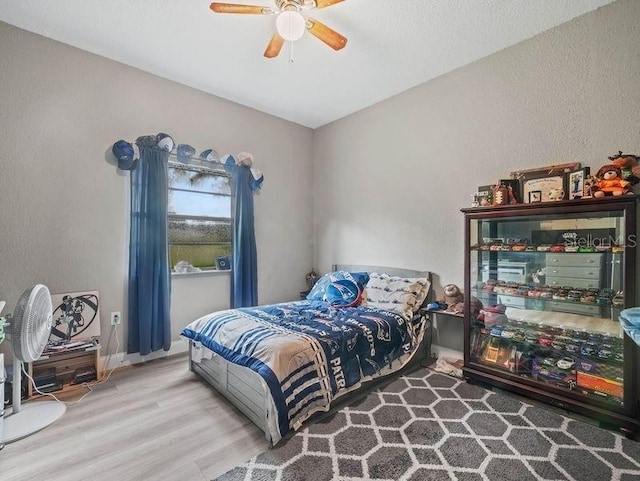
point(291, 25)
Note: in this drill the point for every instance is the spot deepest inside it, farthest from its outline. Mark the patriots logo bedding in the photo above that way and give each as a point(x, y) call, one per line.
point(307, 352)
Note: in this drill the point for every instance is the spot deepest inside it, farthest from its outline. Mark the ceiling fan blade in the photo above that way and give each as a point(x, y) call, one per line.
point(326, 34)
point(326, 3)
point(236, 8)
point(274, 47)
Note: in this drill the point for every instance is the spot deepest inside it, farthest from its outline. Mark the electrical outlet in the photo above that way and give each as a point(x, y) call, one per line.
point(116, 317)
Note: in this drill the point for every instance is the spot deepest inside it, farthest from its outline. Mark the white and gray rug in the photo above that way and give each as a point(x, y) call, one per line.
point(427, 426)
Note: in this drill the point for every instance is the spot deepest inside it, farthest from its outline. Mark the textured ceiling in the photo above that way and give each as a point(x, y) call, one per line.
point(393, 45)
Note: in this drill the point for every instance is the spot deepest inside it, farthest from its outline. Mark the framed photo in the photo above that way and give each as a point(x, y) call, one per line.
point(76, 316)
point(484, 194)
point(551, 181)
point(223, 263)
point(547, 189)
point(535, 196)
point(576, 184)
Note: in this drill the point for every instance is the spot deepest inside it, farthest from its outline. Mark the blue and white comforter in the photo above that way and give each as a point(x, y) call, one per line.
point(307, 352)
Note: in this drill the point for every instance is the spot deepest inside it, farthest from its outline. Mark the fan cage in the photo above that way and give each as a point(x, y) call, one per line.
point(31, 323)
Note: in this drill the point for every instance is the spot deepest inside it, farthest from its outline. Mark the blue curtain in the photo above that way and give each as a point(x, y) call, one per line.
point(149, 271)
point(244, 282)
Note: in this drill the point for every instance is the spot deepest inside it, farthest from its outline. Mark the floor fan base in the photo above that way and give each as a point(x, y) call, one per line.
point(32, 417)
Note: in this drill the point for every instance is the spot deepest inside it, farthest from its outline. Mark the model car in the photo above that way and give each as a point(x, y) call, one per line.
point(597, 338)
point(505, 247)
point(557, 248)
point(619, 356)
point(560, 343)
point(508, 333)
point(573, 346)
point(586, 249)
point(580, 336)
point(588, 297)
point(618, 299)
point(589, 349)
point(545, 340)
point(605, 351)
point(531, 337)
point(549, 361)
point(560, 295)
point(603, 247)
point(617, 249)
point(495, 247)
point(571, 248)
point(496, 331)
point(518, 247)
point(565, 363)
point(530, 249)
point(544, 247)
point(574, 295)
point(519, 336)
point(607, 292)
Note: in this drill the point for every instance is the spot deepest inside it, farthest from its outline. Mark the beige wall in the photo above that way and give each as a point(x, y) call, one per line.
point(64, 205)
point(390, 180)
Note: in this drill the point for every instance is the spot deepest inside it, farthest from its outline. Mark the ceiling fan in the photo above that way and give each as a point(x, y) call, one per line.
point(290, 23)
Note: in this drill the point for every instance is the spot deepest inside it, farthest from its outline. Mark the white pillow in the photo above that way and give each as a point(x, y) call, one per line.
point(397, 294)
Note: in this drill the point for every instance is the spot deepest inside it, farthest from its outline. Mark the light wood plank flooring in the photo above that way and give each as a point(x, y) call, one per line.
point(156, 421)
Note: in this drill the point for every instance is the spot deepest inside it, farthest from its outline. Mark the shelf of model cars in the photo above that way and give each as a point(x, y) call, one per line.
point(554, 359)
point(577, 298)
point(546, 248)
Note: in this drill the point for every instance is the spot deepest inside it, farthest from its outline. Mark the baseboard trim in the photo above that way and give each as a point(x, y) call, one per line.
point(122, 359)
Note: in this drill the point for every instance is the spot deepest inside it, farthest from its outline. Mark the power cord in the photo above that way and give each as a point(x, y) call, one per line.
point(87, 385)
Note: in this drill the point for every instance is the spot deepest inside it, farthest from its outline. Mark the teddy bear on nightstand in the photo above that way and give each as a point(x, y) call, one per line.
point(453, 298)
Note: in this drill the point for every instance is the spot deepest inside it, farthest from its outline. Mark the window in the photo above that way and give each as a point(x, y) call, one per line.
point(199, 215)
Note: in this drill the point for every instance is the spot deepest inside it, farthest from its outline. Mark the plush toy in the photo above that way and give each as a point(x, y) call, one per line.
point(453, 298)
point(609, 181)
point(628, 164)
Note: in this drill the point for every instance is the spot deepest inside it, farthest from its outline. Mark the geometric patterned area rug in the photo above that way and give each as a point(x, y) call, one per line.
point(427, 426)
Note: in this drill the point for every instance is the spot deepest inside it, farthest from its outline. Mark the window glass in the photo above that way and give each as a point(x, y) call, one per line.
point(198, 204)
point(199, 216)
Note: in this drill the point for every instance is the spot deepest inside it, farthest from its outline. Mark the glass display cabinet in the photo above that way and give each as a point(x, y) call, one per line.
point(552, 279)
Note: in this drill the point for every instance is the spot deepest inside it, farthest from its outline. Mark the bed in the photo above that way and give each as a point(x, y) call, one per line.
point(281, 364)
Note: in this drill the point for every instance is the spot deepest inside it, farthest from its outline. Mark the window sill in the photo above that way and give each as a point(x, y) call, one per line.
point(176, 275)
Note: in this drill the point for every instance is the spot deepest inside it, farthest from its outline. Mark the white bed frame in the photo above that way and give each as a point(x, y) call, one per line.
point(247, 391)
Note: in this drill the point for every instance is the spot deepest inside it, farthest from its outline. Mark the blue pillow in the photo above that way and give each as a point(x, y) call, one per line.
point(343, 293)
point(317, 293)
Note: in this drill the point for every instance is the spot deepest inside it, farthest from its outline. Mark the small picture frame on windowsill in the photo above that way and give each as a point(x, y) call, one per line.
point(535, 196)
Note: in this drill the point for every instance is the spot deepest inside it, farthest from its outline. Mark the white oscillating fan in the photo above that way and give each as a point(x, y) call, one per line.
point(30, 327)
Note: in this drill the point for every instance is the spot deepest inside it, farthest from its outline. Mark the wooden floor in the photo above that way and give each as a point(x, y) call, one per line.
point(156, 421)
